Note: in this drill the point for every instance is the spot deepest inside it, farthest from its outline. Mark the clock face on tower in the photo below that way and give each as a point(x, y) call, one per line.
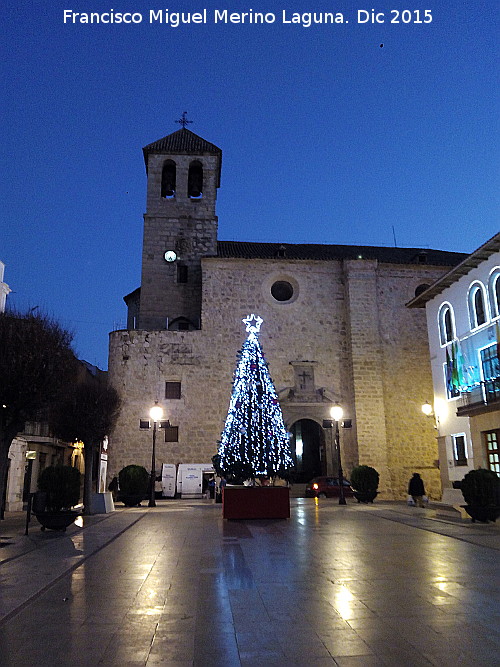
point(170, 256)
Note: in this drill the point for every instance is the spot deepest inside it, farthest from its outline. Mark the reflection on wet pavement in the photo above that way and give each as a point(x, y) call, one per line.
point(331, 586)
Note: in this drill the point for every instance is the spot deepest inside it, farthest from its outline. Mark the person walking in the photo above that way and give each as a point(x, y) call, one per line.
point(416, 490)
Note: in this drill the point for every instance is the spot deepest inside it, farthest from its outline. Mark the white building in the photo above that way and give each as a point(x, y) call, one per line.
point(4, 288)
point(463, 320)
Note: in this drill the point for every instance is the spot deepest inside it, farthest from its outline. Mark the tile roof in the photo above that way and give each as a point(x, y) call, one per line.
point(181, 141)
point(321, 252)
point(389, 255)
point(462, 268)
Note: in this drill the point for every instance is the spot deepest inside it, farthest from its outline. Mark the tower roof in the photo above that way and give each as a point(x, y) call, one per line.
point(182, 141)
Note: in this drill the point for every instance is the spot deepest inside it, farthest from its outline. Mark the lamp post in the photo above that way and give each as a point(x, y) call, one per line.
point(156, 413)
point(336, 414)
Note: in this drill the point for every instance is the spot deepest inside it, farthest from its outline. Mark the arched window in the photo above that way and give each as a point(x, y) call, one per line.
point(168, 180)
point(477, 305)
point(494, 291)
point(446, 324)
point(181, 324)
point(195, 180)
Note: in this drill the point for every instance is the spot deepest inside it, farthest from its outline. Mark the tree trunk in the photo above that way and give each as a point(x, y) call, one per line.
point(88, 457)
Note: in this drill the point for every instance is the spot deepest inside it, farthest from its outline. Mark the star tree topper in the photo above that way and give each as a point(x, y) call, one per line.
point(253, 323)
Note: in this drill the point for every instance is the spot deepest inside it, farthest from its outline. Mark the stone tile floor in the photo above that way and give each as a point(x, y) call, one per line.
point(177, 585)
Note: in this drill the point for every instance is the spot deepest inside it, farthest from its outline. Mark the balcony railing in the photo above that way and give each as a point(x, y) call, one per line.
point(485, 393)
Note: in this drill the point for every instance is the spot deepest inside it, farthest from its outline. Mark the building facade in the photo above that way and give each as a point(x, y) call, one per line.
point(4, 288)
point(463, 320)
point(335, 330)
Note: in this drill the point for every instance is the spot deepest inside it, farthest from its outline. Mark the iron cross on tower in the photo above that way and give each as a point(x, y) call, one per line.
point(183, 120)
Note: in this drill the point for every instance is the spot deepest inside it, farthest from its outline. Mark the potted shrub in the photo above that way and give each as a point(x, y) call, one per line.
point(364, 480)
point(133, 481)
point(59, 492)
point(481, 492)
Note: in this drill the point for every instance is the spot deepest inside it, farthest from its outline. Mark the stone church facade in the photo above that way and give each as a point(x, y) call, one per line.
point(335, 330)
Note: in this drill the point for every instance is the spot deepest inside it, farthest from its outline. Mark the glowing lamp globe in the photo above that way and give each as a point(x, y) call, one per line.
point(427, 408)
point(336, 413)
point(156, 413)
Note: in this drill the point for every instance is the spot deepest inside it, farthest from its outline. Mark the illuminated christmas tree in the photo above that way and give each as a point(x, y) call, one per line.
point(254, 442)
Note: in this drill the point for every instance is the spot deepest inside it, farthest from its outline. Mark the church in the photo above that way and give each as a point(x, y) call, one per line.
point(335, 330)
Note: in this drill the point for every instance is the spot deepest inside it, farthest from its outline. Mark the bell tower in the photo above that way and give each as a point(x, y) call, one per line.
point(180, 227)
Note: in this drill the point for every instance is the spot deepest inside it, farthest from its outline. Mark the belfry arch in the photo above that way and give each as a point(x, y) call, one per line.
point(168, 179)
point(195, 180)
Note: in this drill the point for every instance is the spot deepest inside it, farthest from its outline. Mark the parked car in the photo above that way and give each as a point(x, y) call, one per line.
point(327, 487)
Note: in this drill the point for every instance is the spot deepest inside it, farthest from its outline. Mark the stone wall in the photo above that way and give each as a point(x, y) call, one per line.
point(186, 226)
point(370, 355)
point(407, 380)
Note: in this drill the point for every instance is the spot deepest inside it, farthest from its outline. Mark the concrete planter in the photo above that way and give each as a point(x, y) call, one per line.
point(256, 502)
point(365, 496)
point(131, 499)
point(481, 513)
point(57, 520)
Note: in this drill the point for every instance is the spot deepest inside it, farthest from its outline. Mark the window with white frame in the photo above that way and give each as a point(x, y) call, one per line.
point(477, 305)
point(459, 449)
point(446, 324)
point(493, 450)
point(490, 371)
point(494, 291)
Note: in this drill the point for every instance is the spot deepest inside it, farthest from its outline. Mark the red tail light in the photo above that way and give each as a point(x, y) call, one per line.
point(315, 486)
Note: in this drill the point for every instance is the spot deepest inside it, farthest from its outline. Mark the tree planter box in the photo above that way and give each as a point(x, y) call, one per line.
point(256, 502)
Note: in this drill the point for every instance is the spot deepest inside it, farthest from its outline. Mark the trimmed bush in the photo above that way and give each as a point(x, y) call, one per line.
point(62, 486)
point(364, 478)
point(481, 488)
point(133, 481)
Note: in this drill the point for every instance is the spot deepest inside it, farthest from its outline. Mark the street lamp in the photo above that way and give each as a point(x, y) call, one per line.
point(427, 409)
point(433, 412)
point(156, 413)
point(336, 413)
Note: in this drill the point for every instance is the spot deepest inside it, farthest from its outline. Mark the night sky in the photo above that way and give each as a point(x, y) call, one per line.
point(353, 133)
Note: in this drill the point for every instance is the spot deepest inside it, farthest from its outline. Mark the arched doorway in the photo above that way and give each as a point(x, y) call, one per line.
point(308, 447)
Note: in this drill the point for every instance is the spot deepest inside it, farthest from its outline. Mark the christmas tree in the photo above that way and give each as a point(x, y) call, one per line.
point(254, 442)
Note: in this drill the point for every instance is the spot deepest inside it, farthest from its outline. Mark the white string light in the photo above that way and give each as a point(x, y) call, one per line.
point(254, 434)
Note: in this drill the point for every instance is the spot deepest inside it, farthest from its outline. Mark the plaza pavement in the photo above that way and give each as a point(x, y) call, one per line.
point(176, 585)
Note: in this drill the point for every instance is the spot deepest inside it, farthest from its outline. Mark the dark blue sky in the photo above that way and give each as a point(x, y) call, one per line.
point(326, 138)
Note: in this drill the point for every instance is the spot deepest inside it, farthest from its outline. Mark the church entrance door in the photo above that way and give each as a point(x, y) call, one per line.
point(308, 446)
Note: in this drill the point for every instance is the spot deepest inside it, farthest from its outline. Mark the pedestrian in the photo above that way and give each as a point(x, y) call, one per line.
point(416, 490)
point(220, 483)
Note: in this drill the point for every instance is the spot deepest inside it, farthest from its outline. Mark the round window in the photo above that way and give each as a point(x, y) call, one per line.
point(421, 288)
point(282, 290)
